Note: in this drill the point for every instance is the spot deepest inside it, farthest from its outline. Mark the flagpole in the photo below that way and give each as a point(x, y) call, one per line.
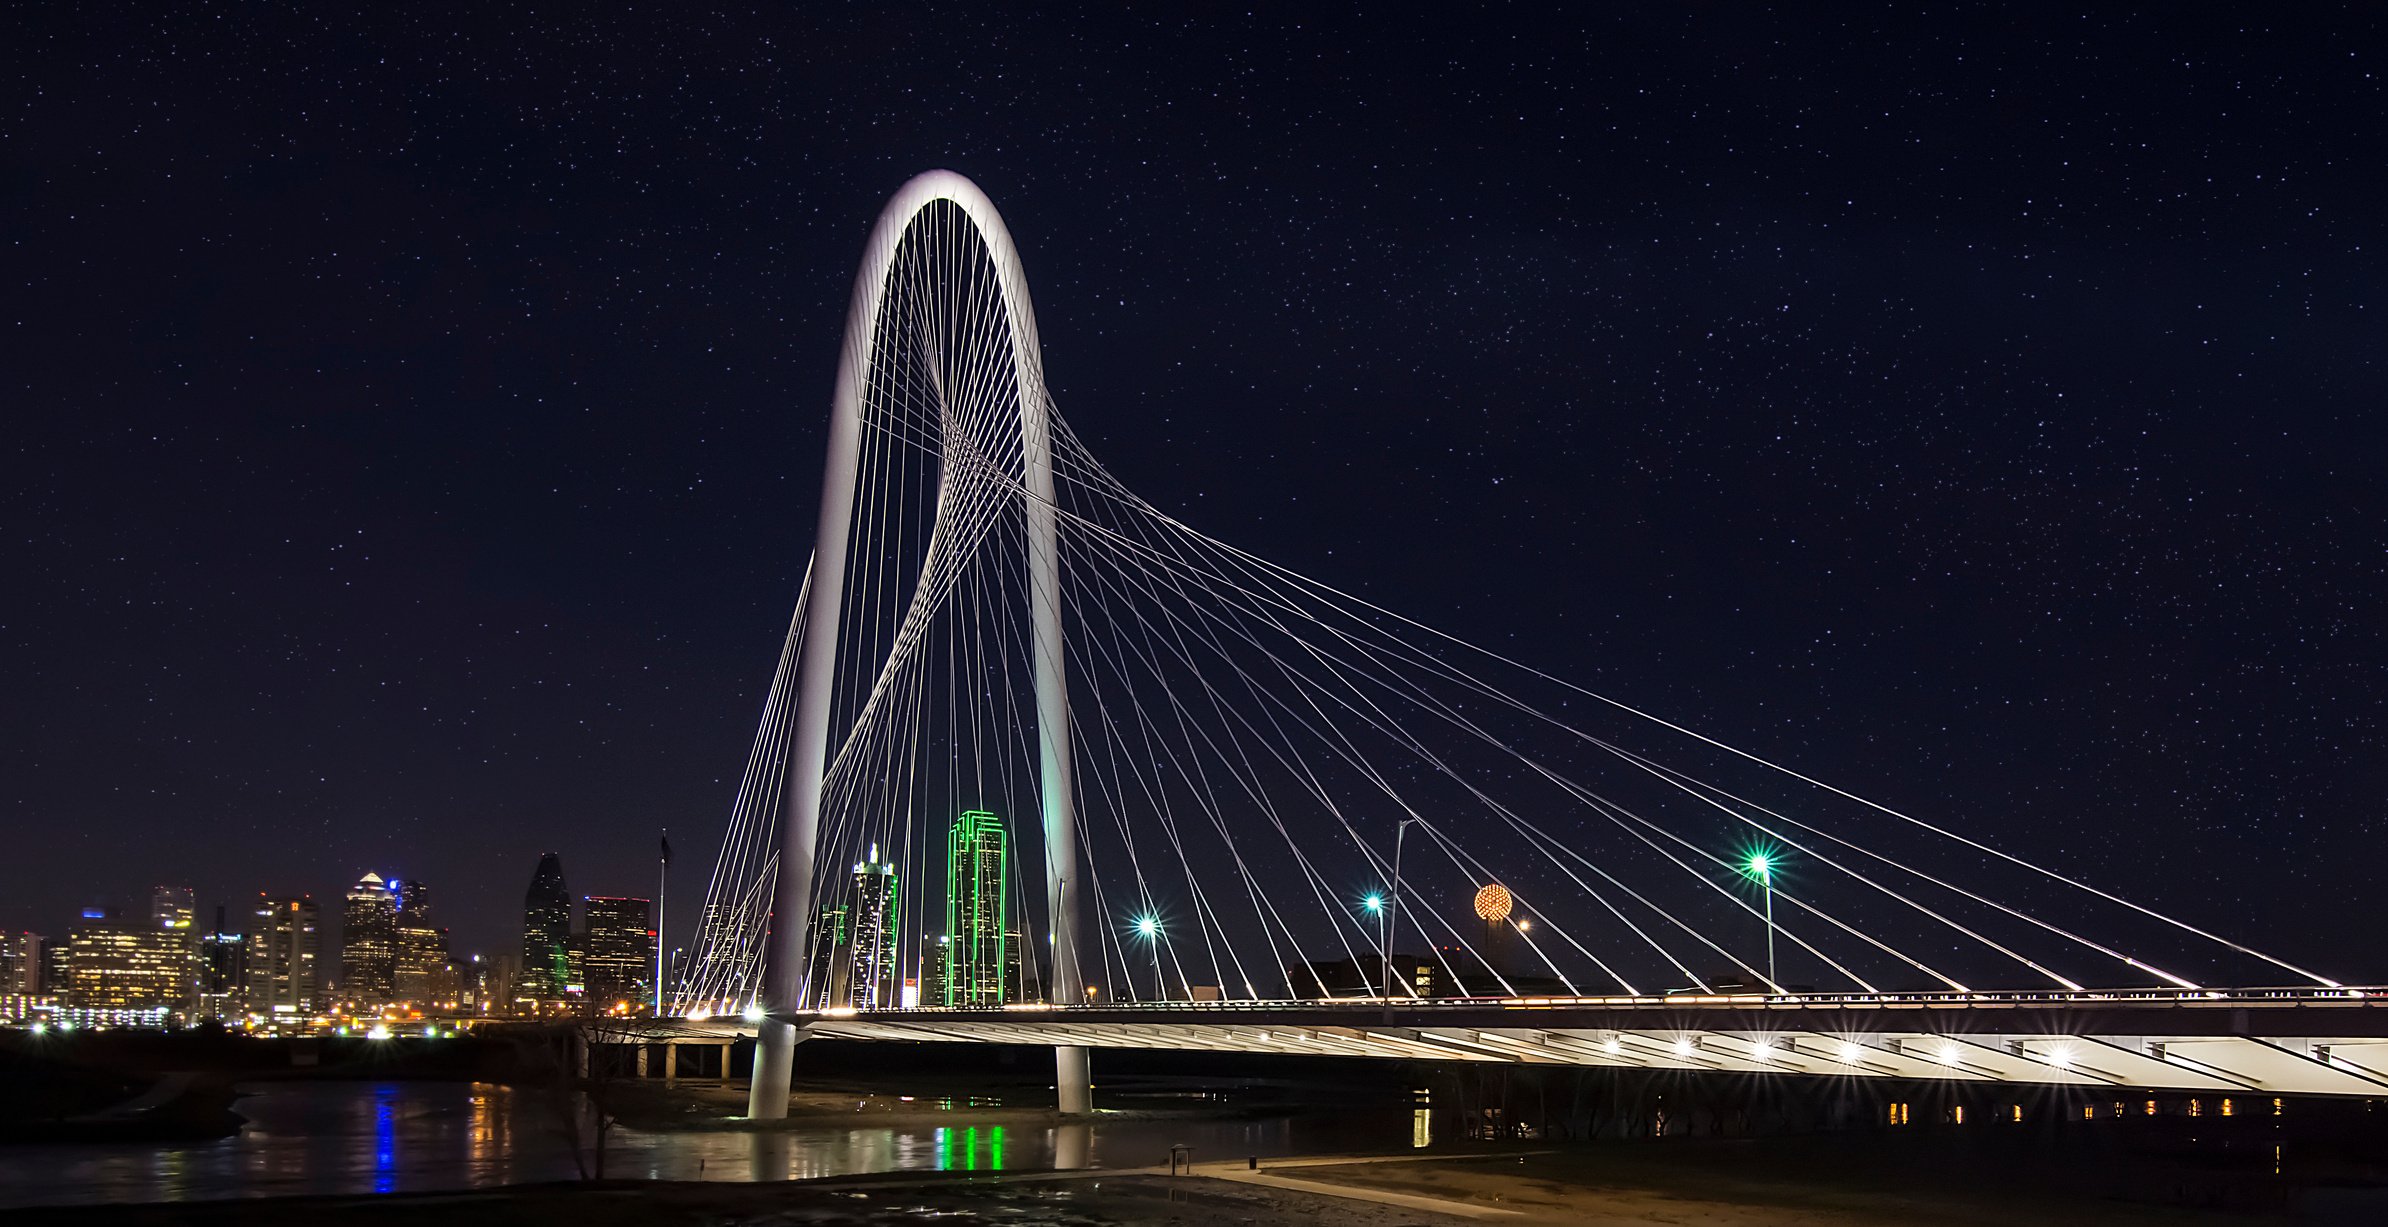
point(663, 865)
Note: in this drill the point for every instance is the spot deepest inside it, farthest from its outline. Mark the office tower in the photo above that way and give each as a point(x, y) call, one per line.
point(934, 959)
point(369, 944)
point(469, 985)
point(872, 924)
point(422, 948)
point(115, 964)
point(829, 969)
point(617, 952)
point(53, 968)
point(20, 964)
point(1014, 988)
point(174, 907)
point(223, 971)
point(546, 935)
point(980, 947)
point(284, 940)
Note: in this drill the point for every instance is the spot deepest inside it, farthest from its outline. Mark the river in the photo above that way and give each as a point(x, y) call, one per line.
point(380, 1137)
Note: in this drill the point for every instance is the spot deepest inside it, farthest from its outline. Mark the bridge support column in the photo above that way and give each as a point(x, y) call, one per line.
point(775, 1069)
point(1073, 1091)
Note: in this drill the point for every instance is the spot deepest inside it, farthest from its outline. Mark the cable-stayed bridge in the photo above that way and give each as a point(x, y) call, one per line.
point(1059, 768)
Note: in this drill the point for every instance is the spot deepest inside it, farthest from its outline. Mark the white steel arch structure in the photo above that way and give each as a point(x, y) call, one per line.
point(936, 197)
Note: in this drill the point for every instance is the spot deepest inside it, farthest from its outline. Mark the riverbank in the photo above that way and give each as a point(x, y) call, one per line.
point(1827, 1182)
point(1086, 1199)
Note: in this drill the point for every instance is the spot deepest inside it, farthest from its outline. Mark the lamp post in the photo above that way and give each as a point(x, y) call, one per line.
point(1374, 905)
point(1763, 866)
point(1149, 928)
point(1392, 926)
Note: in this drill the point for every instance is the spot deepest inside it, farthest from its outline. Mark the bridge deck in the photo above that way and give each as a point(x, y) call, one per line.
point(2268, 1042)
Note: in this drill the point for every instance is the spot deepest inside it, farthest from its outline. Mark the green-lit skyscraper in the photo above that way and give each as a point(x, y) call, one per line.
point(977, 898)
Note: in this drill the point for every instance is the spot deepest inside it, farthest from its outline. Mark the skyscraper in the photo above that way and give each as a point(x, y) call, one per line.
point(20, 964)
point(283, 943)
point(175, 910)
point(872, 925)
point(174, 907)
point(977, 903)
point(617, 951)
point(421, 947)
point(369, 944)
point(829, 965)
point(546, 935)
point(127, 965)
point(223, 971)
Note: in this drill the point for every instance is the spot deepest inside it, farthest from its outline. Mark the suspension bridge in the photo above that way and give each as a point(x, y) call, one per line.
point(1268, 815)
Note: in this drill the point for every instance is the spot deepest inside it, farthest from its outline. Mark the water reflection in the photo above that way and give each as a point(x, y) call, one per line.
point(1070, 1145)
point(404, 1137)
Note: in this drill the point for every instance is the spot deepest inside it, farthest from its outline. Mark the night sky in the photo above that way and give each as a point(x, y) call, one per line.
point(414, 420)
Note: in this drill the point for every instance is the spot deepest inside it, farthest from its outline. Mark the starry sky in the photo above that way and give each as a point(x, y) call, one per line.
point(414, 416)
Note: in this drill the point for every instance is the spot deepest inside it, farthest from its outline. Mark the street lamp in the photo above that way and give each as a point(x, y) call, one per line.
point(1149, 928)
point(1389, 930)
point(1374, 904)
point(1761, 866)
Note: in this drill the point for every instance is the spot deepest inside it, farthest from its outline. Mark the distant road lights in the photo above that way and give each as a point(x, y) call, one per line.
point(754, 1013)
point(699, 1014)
point(379, 1032)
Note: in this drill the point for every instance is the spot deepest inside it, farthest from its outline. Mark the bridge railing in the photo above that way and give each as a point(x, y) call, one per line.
point(2198, 998)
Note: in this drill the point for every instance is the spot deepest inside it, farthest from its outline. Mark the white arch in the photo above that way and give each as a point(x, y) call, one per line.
point(817, 661)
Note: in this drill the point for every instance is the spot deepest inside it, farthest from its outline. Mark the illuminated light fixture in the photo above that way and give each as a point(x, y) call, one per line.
point(1524, 925)
point(1612, 1047)
point(1147, 926)
point(754, 1014)
point(379, 1032)
point(1850, 1053)
point(2062, 1058)
point(431, 1033)
point(1948, 1054)
point(40, 1028)
point(699, 1014)
point(1375, 904)
point(1683, 1047)
point(1763, 1052)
